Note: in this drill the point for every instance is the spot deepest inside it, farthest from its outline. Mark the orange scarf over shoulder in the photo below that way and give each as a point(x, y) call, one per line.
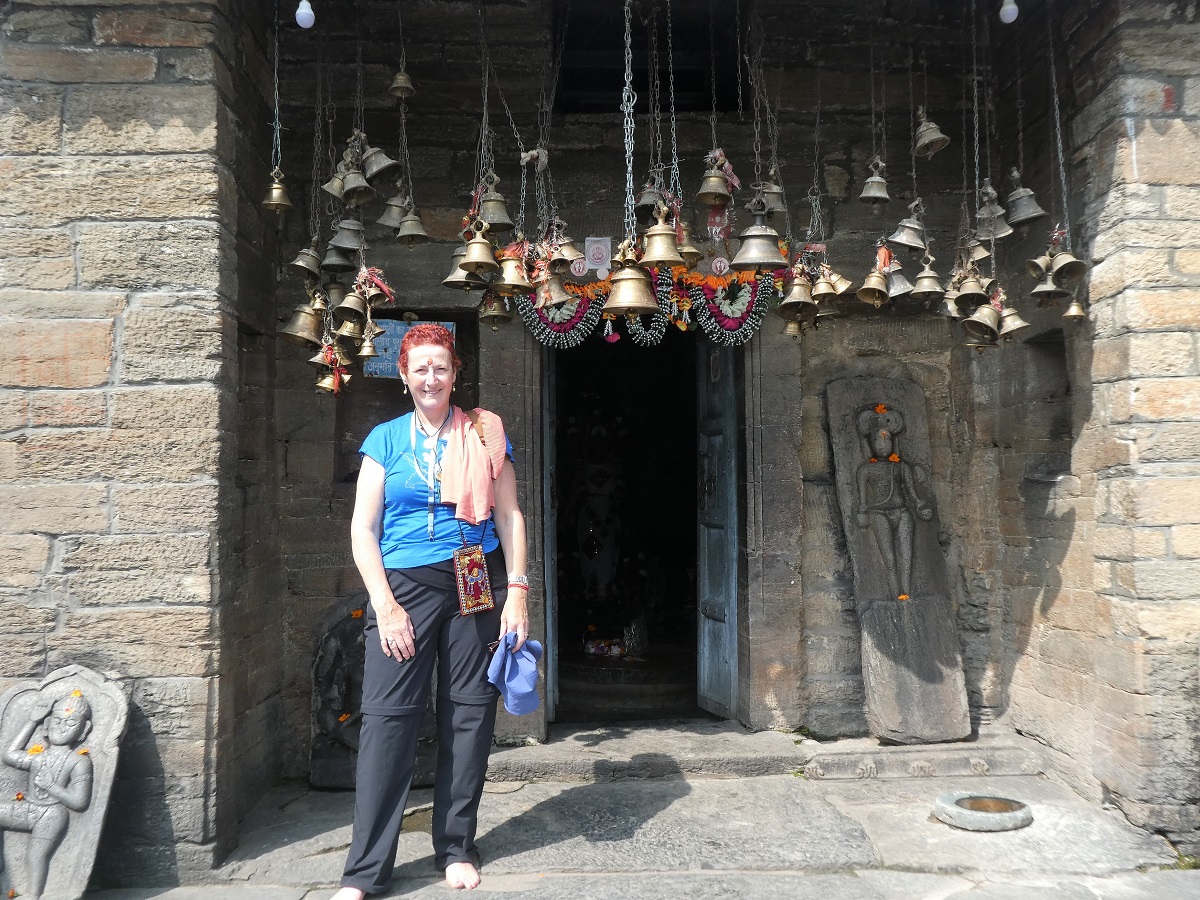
point(471, 466)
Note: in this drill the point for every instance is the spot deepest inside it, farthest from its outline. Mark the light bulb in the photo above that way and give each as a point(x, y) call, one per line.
point(305, 17)
point(1008, 11)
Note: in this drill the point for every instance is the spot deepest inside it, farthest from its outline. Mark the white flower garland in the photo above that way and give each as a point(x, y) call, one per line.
point(734, 307)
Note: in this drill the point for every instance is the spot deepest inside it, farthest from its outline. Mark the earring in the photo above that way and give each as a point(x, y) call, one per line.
point(405, 383)
point(453, 387)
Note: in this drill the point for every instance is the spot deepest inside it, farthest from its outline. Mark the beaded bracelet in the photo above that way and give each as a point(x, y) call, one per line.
point(520, 587)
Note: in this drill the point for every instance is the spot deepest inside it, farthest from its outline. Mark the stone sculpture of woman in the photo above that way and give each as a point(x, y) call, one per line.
point(887, 495)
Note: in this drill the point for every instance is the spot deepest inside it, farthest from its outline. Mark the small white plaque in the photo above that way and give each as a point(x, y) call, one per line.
point(579, 268)
point(598, 252)
point(720, 265)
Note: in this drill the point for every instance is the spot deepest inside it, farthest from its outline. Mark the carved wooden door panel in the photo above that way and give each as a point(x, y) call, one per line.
point(717, 540)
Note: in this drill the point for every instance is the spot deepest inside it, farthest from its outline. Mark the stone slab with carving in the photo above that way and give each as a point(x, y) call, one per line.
point(911, 660)
point(59, 739)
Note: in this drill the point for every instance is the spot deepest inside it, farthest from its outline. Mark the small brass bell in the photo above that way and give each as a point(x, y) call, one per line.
point(909, 233)
point(277, 196)
point(929, 138)
point(303, 328)
point(992, 229)
point(976, 251)
point(760, 243)
point(714, 188)
point(983, 324)
point(1011, 322)
point(402, 86)
point(875, 188)
point(928, 286)
point(480, 257)
point(376, 163)
point(772, 193)
point(337, 261)
point(971, 290)
point(513, 279)
point(841, 284)
point(328, 382)
point(355, 190)
point(351, 309)
point(647, 203)
point(564, 253)
point(367, 350)
point(792, 328)
point(307, 262)
point(344, 355)
point(349, 236)
point(460, 277)
point(989, 208)
point(874, 289)
point(1065, 269)
point(1022, 205)
point(335, 185)
point(393, 213)
point(350, 329)
point(824, 291)
point(318, 361)
point(662, 249)
point(1075, 310)
point(898, 285)
point(410, 231)
point(1037, 267)
point(494, 310)
point(551, 292)
point(491, 207)
point(690, 252)
point(949, 306)
point(1048, 292)
point(335, 291)
point(631, 293)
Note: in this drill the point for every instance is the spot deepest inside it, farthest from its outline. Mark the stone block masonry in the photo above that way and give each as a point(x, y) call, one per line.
point(133, 526)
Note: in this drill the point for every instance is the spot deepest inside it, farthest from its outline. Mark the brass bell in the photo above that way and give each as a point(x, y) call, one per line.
point(513, 279)
point(337, 261)
point(277, 196)
point(376, 163)
point(760, 244)
point(631, 293)
point(318, 361)
point(1037, 267)
point(307, 262)
point(949, 306)
point(335, 185)
point(349, 236)
point(989, 208)
point(898, 285)
point(480, 257)
point(983, 324)
point(841, 284)
point(875, 188)
point(551, 292)
point(494, 310)
point(351, 309)
point(714, 188)
point(335, 291)
point(929, 138)
point(909, 233)
point(1011, 322)
point(350, 329)
point(690, 252)
point(343, 355)
point(874, 289)
point(303, 328)
point(491, 207)
point(402, 86)
point(355, 190)
point(367, 350)
point(1048, 292)
point(928, 286)
point(1022, 205)
point(564, 253)
point(662, 248)
point(646, 204)
point(798, 305)
point(824, 291)
point(1065, 269)
point(992, 229)
point(460, 277)
point(410, 231)
point(328, 382)
point(971, 290)
point(1075, 310)
point(393, 213)
point(793, 329)
point(976, 251)
point(772, 193)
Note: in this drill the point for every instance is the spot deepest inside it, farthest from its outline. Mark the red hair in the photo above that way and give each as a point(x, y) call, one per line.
point(427, 334)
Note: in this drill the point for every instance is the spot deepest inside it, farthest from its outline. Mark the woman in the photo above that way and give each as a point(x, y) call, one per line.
point(431, 482)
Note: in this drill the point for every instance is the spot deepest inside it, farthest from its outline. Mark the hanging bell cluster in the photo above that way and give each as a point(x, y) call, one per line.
point(1058, 273)
point(631, 294)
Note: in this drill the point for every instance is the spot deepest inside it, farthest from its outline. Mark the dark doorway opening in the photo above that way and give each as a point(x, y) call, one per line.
point(626, 529)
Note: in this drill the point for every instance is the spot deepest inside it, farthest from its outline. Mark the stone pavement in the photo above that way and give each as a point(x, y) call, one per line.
point(703, 829)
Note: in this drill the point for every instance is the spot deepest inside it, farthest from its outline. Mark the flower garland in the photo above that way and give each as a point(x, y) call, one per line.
point(648, 337)
point(568, 324)
point(730, 315)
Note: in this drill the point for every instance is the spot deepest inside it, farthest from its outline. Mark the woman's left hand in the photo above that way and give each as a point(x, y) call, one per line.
point(515, 616)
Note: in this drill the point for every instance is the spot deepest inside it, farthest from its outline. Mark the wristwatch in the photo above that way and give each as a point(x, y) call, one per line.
point(519, 579)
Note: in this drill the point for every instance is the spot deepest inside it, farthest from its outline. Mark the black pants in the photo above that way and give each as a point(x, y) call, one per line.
point(395, 695)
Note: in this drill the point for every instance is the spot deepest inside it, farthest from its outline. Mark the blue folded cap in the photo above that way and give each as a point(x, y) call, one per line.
point(515, 674)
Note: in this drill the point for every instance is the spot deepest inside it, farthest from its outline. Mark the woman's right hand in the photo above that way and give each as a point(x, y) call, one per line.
point(395, 631)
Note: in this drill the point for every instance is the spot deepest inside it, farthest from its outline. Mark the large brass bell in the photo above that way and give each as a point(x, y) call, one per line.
point(909, 233)
point(393, 212)
point(303, 328)
point(1048, 292)
point(376, 163)
point(352, 309)
point(874, 289)
point(402, 86)
point(714, 188)
point(1075, 310)
point(662, 248)
point(480, 257)
point(551, 292)
point(494, 310)
point(349, 236)
point(631, 293)
point(512, 279)
point(1011, 322)
point(277, 196)
point(689, 251)
point(460, 277)
point(992, 229)
point(983, 324)
point(875, 187)
point(410, 231)
point(798, 305)
point(971, 290)
point(647, 203)
point(1022, 205)
point(335, 291)
point(1065, 269)
point(898, 285)
point(337, 261)
point(367, 350)
point(928, 286)
point(307, 262)
point(1038, 267)
point(355, 190)
point(949, 306)
point(491, 207)
point(929, 138)
point(760, 243)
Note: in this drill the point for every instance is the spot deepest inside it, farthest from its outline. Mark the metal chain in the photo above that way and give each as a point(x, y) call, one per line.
point(756, 98)
point(520, 150)
point(975, 92)
point(874, 144)
point(485, 161)
point(1058, 138)
point(912, 124)
point(676, 185)
point(333, 205)
point(817, 136)
point(359, 115)
point(400, 37)
point(883, 111)
point(738, 27)
point(712, 72)
point(654, 86)
point(628, 99)
point(989, 99)
point(276, 145)
point(1020, 115)
point(314, 194)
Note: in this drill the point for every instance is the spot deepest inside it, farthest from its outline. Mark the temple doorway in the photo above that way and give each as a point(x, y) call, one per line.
point(622, 529)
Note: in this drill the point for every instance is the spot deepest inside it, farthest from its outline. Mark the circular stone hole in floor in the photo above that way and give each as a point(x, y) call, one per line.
point(989, 804)
point(979, 812)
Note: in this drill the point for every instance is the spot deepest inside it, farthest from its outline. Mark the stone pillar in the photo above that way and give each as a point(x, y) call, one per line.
point(123, 545)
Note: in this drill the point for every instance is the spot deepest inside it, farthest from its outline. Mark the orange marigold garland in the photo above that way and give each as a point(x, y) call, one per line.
point(731, 315)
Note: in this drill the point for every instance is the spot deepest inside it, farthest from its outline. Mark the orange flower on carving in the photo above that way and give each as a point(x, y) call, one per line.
point(895, 457)
point(36, 749)
point(902, 597)
point(19, 797)
point(356, 614)
point(84, 751)
point(76, 693)
point(343, 717)
point(873, 459)
point(880, 408)
point(12, 892)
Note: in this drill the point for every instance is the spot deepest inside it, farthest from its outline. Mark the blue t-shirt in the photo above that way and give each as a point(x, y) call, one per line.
point(405, 540)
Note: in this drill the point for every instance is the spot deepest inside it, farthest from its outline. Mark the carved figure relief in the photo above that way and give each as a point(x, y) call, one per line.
point(337, 698)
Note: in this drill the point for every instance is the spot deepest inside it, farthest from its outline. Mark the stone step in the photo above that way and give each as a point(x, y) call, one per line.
point(992, 754)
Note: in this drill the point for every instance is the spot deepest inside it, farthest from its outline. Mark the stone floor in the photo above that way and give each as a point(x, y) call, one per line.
point(707, 827)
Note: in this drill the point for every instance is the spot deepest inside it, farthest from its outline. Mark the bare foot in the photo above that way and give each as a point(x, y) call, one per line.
point(349, 894)
point(460, 876)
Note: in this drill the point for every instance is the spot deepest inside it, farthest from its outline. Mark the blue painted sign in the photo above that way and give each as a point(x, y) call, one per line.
point(387, 345)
